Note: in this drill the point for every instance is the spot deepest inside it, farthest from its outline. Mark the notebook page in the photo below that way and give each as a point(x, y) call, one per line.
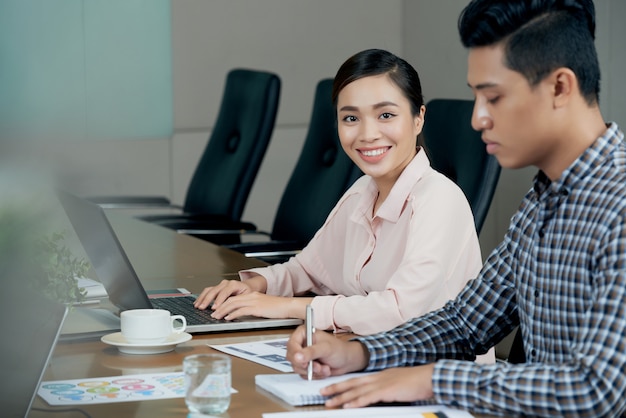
point(297, 391)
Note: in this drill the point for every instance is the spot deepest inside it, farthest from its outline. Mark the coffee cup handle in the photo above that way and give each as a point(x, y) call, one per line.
point(178, 330)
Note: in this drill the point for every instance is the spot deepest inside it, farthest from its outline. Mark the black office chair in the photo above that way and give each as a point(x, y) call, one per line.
point(322, 174)
point(222, 181)
point(456, 150)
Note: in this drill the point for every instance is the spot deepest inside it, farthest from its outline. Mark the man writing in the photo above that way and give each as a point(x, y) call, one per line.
point(560, 273)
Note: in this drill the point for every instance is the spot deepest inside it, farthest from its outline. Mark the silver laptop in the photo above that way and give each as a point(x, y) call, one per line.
point(33, 324)
point(124, 289)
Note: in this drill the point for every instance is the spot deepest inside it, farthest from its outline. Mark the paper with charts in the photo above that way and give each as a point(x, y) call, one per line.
point(126, 388)
point(270, 353)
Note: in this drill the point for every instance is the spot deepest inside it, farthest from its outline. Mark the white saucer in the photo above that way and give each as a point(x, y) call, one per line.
point(118, 340)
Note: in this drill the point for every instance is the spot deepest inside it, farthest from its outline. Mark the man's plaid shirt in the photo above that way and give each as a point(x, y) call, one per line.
point(560, 274)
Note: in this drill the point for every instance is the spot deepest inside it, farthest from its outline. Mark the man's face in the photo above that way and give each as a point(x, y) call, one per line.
point(513, 117)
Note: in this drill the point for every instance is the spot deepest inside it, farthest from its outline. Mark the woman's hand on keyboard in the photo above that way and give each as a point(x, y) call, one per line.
point(261, 305)
point(227, 288)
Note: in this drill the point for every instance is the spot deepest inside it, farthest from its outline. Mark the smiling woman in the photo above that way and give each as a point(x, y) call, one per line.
point(399, 243)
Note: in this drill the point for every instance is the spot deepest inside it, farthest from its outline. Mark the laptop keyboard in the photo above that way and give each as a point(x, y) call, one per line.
point(183, 305)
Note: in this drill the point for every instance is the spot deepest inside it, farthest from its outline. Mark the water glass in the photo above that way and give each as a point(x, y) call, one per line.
point(207, 383)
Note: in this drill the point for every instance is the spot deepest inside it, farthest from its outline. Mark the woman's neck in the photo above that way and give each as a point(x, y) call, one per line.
point(384, 185)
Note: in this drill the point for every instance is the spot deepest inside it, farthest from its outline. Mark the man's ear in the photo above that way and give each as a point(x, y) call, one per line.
point(565, 85)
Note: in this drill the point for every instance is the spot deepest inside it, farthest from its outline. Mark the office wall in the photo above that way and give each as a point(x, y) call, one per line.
point(302, 41)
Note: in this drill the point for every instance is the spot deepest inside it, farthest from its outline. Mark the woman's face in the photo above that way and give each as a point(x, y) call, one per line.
point(376, 127)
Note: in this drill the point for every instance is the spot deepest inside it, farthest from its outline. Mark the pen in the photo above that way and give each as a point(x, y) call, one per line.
point(309, 338)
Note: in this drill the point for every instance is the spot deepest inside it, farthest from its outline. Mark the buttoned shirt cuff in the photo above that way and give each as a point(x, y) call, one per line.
point(452, 380)
point(379, 359)
point(248, 274)
point(323, 307)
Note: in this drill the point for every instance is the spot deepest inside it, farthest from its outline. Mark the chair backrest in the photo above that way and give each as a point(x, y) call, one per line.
point(456, 150)
point(321, 175)
point(224, 176)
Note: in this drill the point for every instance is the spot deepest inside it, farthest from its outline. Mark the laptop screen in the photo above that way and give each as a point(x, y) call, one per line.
point(32, 327)
point(110, 263)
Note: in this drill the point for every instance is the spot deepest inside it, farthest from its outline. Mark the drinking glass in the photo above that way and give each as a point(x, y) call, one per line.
point(207, 383)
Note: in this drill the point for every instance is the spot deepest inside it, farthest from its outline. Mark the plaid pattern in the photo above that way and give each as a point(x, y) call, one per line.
point(560, 273)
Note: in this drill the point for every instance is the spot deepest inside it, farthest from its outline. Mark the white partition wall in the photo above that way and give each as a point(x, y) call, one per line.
point(85, 69)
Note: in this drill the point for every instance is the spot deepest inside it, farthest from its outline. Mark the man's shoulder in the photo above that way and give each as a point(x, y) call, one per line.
point(609, 177)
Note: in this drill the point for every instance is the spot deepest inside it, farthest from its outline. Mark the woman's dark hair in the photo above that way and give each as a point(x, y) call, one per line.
point(539, 36)
point(375, 62)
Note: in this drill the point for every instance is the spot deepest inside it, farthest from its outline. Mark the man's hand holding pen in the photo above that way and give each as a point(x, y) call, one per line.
point(328, 355)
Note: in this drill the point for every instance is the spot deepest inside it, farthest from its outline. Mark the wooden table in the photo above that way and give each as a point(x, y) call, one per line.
point(165, 259)
point(94, 359)
point(162, 258)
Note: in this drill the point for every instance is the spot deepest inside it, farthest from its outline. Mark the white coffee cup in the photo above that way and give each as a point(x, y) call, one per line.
point(150, 326)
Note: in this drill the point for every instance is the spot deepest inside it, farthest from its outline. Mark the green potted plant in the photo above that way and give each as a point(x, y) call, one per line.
point(60, 270)
point(30, 252)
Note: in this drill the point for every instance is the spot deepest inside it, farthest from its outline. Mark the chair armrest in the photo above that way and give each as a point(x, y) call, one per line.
point(268, 254)
point(202, 224)
point(270, 251)
point(193, 231)
point(133, 202)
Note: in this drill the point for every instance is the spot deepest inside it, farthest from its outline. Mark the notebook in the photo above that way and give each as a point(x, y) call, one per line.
point(124, 289)
point(296, 391)
point(32, 329)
